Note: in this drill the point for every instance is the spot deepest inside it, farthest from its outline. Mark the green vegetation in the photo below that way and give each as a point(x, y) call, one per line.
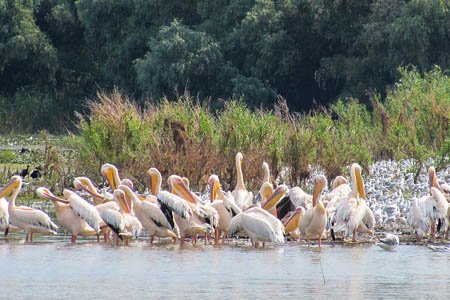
point(192, 140)
point(55, 54)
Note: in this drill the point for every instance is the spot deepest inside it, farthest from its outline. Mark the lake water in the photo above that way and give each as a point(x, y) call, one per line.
point(55, 269)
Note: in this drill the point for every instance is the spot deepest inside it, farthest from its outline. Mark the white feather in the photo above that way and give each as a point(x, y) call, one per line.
point(4, 214)
point(86, 211)
point(177, 204)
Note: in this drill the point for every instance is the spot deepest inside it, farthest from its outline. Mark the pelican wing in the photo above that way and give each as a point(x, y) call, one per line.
point(34, 217)
point(300, 198)
point(86, 211)
point(268, 217)
point(284, 207)
point(175, 203)
point(157, 214)
point(258, 226)
point(441, 204)
point(114, 220)
point(107, 205)
point(236, 224)
point(305, 220)
point(133, 225)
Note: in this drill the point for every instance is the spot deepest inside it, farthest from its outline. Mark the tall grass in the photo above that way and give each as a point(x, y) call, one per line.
point(188, 138)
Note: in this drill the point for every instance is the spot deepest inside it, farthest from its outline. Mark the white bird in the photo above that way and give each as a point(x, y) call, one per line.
point(26, 218)
point(259, 226)
point(313, 223)
point(225, 207)
point(353, 214)
point(156, 218)
point(203, 218)
point(71, 218)
point(242, 197)
point(4, 218)
point(389, 242)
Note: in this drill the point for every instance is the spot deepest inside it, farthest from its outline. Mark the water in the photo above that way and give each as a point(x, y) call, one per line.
point(55, 269)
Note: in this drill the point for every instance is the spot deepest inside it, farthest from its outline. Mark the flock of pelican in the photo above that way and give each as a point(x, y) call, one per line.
point(177, 213)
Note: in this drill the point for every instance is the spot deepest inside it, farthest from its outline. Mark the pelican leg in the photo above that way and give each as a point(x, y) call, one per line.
point(217, 236)
point(117, 240)
point(174, 240)
point(73, 240)
point(225, 236)
point(6, 231)
point(433, 229)
point(98, 238)
point(126, 242)
point(354, 236)
point(106, 235)
point(151, 239)
point(320, 239)
point(264, 244)
point(182, 238)
point(26, 238)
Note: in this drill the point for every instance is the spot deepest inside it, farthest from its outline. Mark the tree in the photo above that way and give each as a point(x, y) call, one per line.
point(179, 58)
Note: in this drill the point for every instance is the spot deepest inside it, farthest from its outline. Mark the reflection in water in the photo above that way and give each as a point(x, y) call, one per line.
point(54, 268)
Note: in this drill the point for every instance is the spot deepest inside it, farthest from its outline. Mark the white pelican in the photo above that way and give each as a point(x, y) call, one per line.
point(124, 228)
point(266, 173)
point(314, 221)
point(29, 219)
point(389, 242)
point(156, 218)
point(204, 218)
point(132, 223)
point(291, 224)
point(259, 225)
point(269, 203)
point(225, 207)
point(426, 210)
point(4, 218)
point(69, 217)
point(353, 214)
point(242, 197)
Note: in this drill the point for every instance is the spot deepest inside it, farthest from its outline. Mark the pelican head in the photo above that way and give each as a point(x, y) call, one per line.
point(320, 183)
point(12, 187)
point(339, 180)
point(291, 224)
point(127, 182)
point(179, 188)
point(122, 200)
point(432, 178)
point(111, 174)
point(85, 184)
point(239, 157)
point(44, 192)
point(214, 186)
point(155, 180)
point(276, 196)
point(357, 180)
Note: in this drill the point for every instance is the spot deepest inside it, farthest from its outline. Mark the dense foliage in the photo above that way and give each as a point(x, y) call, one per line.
point(192, 139)
point(55, 54)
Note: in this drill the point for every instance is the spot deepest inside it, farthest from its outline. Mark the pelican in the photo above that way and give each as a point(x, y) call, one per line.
point(291, 224)
point(156, 219)
point(204, 218)
point(389, 242)
point(269, 203)
point(259, 225)
point(4, 218)
point(242, 197)
point(225, 207)
point(352, 214)
point(29, 219)
point(314, 221)
point(121, 222)
point(266, 173)
point(69, 217)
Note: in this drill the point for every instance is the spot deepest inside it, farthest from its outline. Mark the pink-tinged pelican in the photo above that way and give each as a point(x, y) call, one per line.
point(242, 197)
point(69, 217)
point(204, 218)
point(352, 214)
point(313, 223)
point(260, 226)
point(225, 207)
point(26, 218)
point(156, 218)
